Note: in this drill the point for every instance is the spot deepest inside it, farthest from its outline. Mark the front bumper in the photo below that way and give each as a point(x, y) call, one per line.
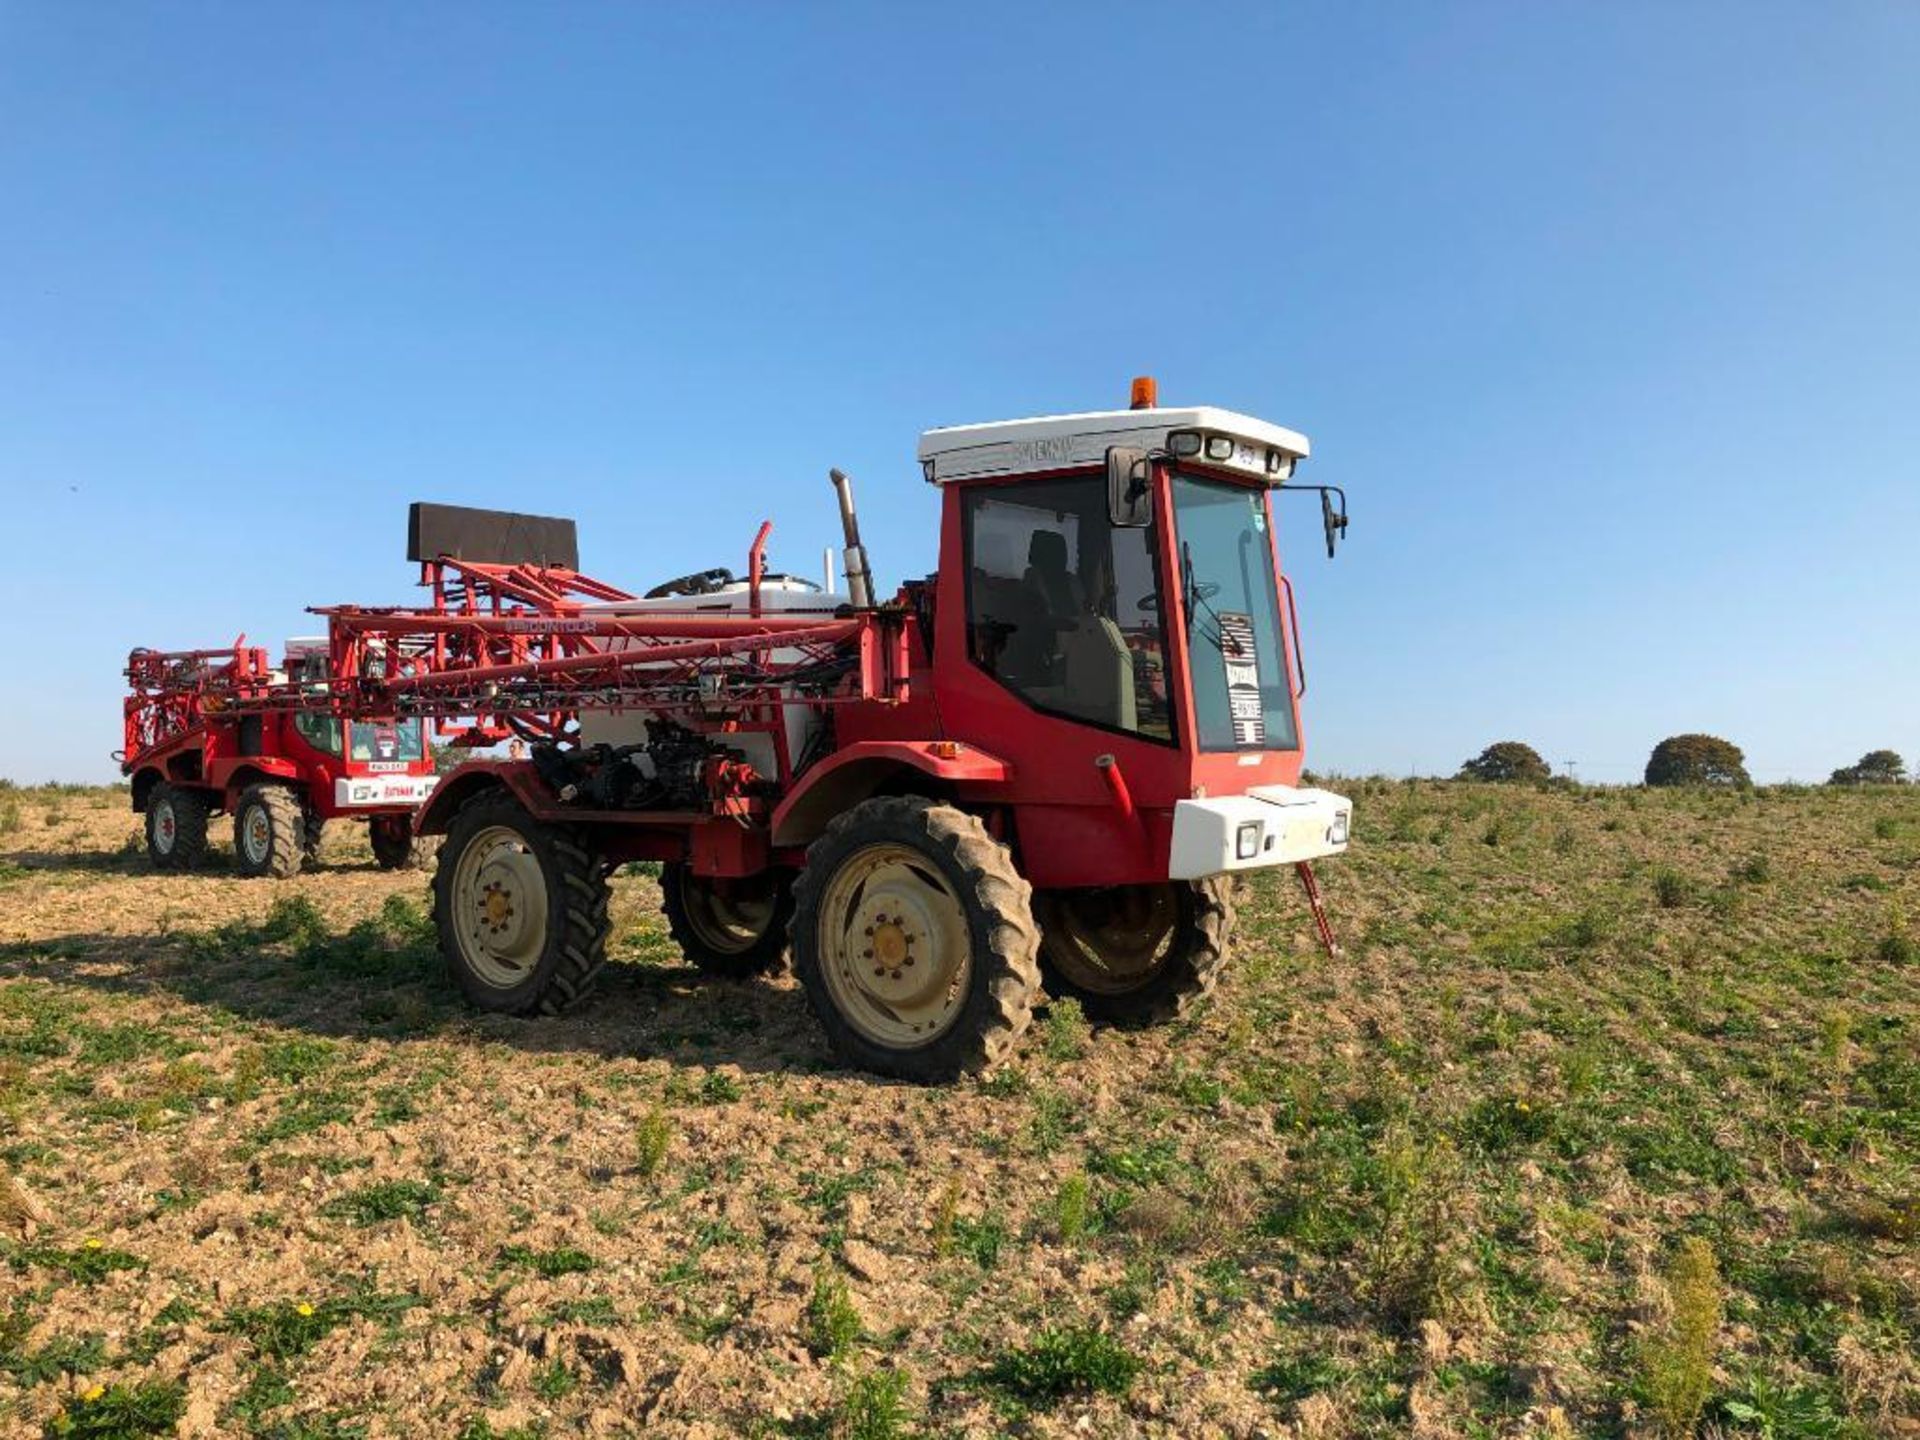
point(353, 792)
point(1269, 825)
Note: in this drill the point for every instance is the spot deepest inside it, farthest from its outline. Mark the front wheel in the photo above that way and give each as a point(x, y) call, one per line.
point(269, 832)
point(736, 930)
point(521, 907)
point(396, 847)
point(176, 827)
point(1135, 955)
point(914, 939)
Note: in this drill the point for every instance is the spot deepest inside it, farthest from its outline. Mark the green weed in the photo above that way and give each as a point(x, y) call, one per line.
point(384, 1200)
point(121, 1411)
point(1066, 1360)
point(548, 1264)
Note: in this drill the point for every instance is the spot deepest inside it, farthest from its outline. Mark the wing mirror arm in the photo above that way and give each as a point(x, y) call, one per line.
point(1333, 512)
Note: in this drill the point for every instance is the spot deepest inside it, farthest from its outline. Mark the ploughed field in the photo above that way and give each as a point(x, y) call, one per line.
point(1608, 1121)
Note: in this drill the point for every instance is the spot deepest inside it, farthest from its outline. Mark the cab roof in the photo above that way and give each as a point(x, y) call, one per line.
point(1057, 442)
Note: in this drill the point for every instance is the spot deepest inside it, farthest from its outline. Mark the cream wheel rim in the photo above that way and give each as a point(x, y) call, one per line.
point(1110, 941)
point(896, 953)
point(256, 834)
point(500, 907)
point(729, 924)
point(166, 827)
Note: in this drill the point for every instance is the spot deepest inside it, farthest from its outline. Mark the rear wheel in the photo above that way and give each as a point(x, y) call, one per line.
point(310, 841)
point(176, 827)
point(736, 930)
point(914, 939)
point(396, 847)
point(269, 832)
point(521, 908)
point(1135, 954)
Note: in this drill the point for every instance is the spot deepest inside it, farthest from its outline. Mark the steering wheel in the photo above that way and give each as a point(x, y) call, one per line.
point(1202, 590)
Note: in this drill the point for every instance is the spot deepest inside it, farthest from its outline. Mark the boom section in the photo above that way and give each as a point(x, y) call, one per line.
point(523, 650)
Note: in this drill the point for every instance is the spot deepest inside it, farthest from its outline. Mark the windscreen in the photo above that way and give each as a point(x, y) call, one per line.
point(1242, 698)
point(386, 742)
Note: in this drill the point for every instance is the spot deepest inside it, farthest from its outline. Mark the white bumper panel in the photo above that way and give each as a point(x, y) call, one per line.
point(352, 791)
point(1269, 825)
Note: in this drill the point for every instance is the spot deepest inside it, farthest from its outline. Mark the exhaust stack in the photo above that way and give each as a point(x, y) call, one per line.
point(859, 579)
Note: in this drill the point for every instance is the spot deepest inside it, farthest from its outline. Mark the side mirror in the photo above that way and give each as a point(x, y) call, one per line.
point(1129, 488)
point(1333, 521)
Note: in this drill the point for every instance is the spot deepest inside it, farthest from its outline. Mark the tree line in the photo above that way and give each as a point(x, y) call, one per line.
point(1679, 760)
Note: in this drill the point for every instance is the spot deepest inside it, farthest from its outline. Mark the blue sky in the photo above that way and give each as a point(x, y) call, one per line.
point(1607, 316)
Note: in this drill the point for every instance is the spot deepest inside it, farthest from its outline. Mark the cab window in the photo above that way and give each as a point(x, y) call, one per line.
point(322, 732)
point(1063, 609)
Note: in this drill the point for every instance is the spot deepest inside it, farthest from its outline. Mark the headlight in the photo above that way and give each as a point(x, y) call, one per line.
point(1246, 840)
point(1337, 832)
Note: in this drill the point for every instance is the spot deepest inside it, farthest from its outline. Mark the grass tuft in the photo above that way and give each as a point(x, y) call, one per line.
point(1677, 1359)
point(874, 1408)
point(1067, 1030)
point(652, 1140)
point(833, 1324)
point(1072, 1207)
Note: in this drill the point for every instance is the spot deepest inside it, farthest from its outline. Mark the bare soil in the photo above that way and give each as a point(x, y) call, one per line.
point(257, 1158)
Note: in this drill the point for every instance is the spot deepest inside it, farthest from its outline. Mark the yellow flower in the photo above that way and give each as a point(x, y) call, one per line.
point(91, 1244)
point(94, 1393)
point(1522, 1107)
point(303, 1308)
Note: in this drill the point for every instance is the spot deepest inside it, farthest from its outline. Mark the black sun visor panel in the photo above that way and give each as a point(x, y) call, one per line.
point(490, 537)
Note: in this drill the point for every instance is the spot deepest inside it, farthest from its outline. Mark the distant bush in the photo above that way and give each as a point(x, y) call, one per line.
point(1876, 767)
point(1697, 760)
point(1507, 760)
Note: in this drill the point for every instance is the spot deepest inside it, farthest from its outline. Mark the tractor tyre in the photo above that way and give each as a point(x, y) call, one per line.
point(310, 841)
point(735, 933)
point(1136, 955)
point(521, 907)
point(396, 847)
point(269, 832)
point(176, 827)
point(914, 938)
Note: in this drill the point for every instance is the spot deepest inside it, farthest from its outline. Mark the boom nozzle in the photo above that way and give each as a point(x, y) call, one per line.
point(859, 578)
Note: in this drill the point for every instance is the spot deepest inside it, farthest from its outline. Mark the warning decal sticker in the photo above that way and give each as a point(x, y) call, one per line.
point(1243, 680)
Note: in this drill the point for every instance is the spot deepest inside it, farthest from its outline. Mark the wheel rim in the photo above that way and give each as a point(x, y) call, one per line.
point(895, 949)
point(256, 834)
point(1112, 940)
point(166, 827)
point(728, 924)
point(500, 907)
